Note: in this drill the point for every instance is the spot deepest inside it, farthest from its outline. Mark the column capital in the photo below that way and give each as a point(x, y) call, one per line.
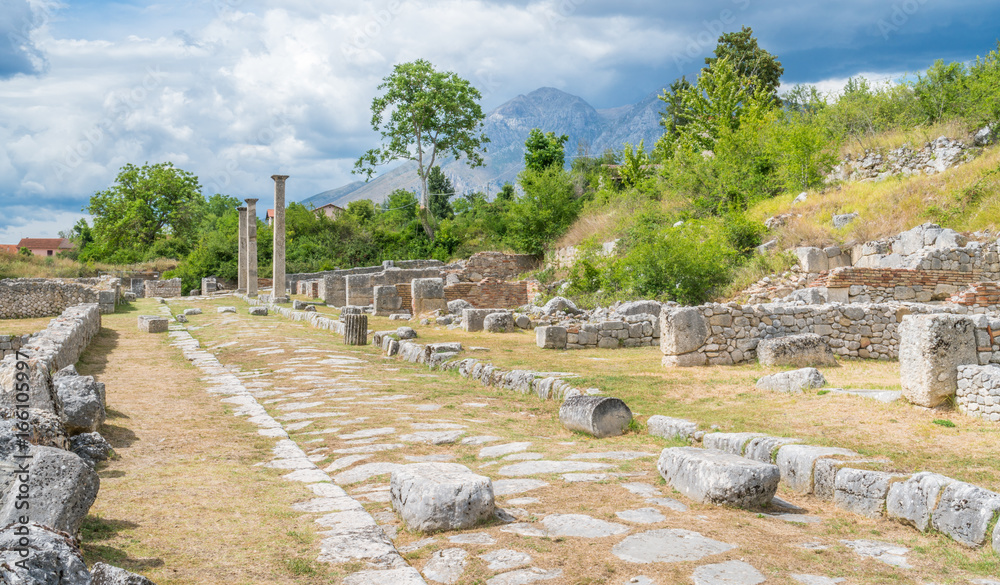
point(251, 201)
point(241, 208)
point(279, 177)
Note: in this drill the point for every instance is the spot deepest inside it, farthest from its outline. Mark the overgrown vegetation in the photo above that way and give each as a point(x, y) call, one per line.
point(687, 212)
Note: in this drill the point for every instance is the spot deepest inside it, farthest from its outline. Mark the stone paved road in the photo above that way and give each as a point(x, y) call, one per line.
point(577, 509)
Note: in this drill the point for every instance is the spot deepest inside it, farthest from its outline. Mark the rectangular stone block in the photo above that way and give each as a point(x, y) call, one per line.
point(912, 501)
point(931, 348)
point(796, 463)
point(862, 491)
point(715, 477)
point(551, 337)
point(964, 512)
point(152, 323)
point(472, 319)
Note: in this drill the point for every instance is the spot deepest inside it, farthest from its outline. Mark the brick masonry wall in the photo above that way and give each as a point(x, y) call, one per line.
point(406, 294)
point(490, 293)
point(881, 285)
point(980, 294)
point(497, 265)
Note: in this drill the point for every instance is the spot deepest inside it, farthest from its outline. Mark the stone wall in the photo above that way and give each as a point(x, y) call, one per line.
point(10, 344)
point(979, 294)
point(25, 298)
point(334, 286)
point(720, 334)
point(978, 393)
point(61, 343)
point(633, 331)
point(491, 293)
point(496, 265)
point(881, 285)
point(162, 288)
point(566, 257)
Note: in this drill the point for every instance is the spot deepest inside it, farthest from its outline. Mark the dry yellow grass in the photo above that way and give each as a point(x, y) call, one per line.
point(23, 326)
point(914, 138)
point(964, 198)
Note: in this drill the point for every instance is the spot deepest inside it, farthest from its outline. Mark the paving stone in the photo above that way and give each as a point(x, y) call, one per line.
point(501, 450)
point(797, 518)
point(407, 576)
point(364, 434)
point(509, 487)
point(667, 545)
point(370, 448)
point(642, 489)
point(579, 525)
point(437, 426)
point(616, 455)
point(307, 476)
point(669, 503)
point(344, 462)
point(446, 566)
point(523, 501)
point(888, 553)
point(473, 538)
point(813, 546)
point(642, 516)
point(539, 467)
point(433, 437)
point(816, 579)
point(584, 477)
point(506, 559)
point(880, 395)
point(327, 505)
point(727, 573)
point(524, 457)
point(440, 458)
point(480, 440)
point(525, 576)
point(365, 472)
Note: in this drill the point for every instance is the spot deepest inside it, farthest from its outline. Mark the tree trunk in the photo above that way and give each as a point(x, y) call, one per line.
point(425, 208)
point(356, 329)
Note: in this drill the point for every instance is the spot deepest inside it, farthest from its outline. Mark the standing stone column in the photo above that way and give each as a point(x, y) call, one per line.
point(251, 247)
point(278, 262)
point(241, 287)
point(355, 329)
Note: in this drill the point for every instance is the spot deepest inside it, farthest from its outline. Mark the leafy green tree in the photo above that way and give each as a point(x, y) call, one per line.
point(547, 207)
point(982, 98)
point(673, 117)
point(636, 165)
point(506, 193)
point(441, 191)
point(544, 150)
point(145, 204)
point(940, 90)
point(760, 70)
point(425, 113)
point(398, 209)
point(361, 211)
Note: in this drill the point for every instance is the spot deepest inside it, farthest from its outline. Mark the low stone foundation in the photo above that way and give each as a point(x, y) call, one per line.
point(25, 298)
point(162, 288)
point(978, 392)
point(881, 285)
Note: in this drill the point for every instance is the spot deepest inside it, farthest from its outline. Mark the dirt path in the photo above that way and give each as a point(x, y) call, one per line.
point(184, 502)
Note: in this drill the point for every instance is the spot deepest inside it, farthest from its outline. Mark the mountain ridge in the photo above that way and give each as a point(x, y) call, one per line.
point(590, 131)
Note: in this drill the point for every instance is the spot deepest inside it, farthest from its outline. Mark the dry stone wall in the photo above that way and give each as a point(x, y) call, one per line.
point(162, 288)
point(978, 393)
point(721, 334)
point(10, 344)
point(24, 298)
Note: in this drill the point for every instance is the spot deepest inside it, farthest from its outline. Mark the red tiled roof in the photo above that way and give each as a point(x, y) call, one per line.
point(45, 244)
point(270, 213)
point(9, 248)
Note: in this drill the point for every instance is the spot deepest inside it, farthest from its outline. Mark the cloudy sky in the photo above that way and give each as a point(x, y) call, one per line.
point(238, 90)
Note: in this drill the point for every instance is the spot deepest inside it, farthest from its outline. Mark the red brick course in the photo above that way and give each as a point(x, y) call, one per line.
point(892, 277)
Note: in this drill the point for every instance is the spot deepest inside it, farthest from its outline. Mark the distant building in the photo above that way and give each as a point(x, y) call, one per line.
point(45, 246)
point(269, 217)
point(330, 210)
point(8, 248)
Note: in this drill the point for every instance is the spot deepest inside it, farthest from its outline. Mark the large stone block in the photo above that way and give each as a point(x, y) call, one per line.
point(428, 295)
point(670, 428)
point(794, 381)
point(813, 259)
point(964, 512)
point(473, 319)
point(912, 501)
point(796, 463)
point(61, 488)
point(498, 323)
point(682, 330)
point(82, 402)
point(862, 491)
point(152, 323)
point(714, 477)
point(931, 348)
point(105, 574)
point(599, 416)
point(53, 559)
point(431, 497)
point(551, 337)
point(797, 351)
point(732, 443)
point(387, 300)
point(41, 391)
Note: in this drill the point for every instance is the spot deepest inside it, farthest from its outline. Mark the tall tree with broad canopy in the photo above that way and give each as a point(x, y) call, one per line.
point(759, 69)
point(146, 204)
point(425, 113)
